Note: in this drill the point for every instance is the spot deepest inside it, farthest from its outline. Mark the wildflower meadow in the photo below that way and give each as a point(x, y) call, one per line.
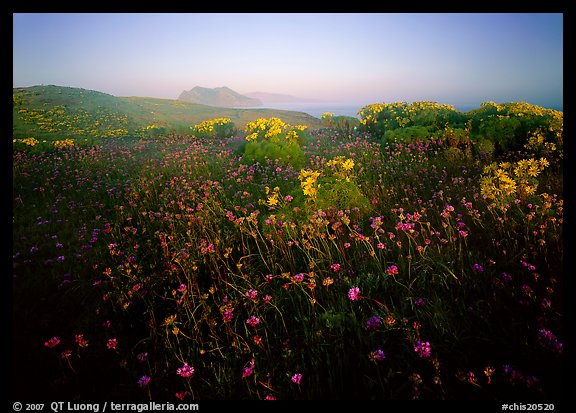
point(416, 253)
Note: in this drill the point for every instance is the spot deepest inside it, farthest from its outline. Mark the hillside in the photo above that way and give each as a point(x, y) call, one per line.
point(220, 96)
point(50, 112)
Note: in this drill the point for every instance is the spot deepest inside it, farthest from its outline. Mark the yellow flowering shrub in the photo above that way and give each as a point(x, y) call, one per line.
point(336, 188)
point(274, 139)
point(273, 129)
point(381, 117)
point(214, 128)
point(517, 125)
point(506, 181)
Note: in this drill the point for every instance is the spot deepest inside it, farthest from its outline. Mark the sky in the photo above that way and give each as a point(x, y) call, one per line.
point(347, 58)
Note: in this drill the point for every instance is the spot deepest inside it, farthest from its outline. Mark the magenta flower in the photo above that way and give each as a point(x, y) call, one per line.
point(392, 270)
point(423, 349)
point(477, 268)
point(53, 342)
point(335, 267)
point(299, 277)
point(143, 381)
point(181, 394)
point(296, 378)
point(80, 340)
point(112, 343)
point(182, 288)
point(142, 357)
point(353, 293)
point(247, 371)
point(253, 321)
point(185, 371)
point(251, 293)
point(227, 316)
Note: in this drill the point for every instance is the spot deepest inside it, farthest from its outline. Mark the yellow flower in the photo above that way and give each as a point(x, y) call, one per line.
point(348, 164)
point(272, 200)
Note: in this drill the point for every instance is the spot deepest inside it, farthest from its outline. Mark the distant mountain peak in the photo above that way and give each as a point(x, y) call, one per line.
point(220, 96)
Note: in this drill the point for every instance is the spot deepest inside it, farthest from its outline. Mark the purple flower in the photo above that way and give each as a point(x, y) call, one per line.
point(142, 357)
point(247, 371)
point(373, 323)
point(296, 378)
point(549, 340)
point(353, 293)
point(506, 277)
point(477, 268)
point(423, 349)
point(419, 302)
point(185, 371)
point(377, 355)
point(143, 381)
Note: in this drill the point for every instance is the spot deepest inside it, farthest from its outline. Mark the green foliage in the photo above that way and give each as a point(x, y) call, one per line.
point(510, 125)
point(340, 194)
point(407, 134)
point(276, 140)
point(287, 152)
point(379, 118)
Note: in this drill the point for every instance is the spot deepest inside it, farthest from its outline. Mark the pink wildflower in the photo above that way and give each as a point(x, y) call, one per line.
point(296, 378)
point(353, 293)
point(53, 342)
point(185, 371)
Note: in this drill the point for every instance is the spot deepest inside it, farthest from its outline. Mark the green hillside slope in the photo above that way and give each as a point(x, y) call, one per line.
point(57, 112)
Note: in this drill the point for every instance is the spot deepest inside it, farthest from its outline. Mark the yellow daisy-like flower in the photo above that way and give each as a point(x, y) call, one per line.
point(272, 200)
point(348, 164)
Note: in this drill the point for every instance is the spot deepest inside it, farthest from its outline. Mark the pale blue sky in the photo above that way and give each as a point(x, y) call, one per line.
point(347, 58)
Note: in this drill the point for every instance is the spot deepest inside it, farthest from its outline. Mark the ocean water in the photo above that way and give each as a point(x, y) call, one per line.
point(316, 109)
